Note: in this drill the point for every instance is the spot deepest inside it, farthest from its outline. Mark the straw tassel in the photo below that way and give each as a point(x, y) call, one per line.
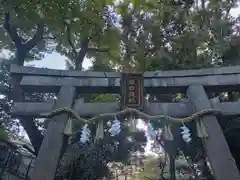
point(100, 131)
point(199, 132)
point(133, 125)
point(168, 133)
point(201, 129)
point(68, 128)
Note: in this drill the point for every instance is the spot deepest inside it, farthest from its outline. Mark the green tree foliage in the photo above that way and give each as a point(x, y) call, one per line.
point(79, 28)
point(25, 34)
point(12, 125)
point(3, 133)
point(171, 35)
point(91, 158)
point(7, 125)
point(22, 29)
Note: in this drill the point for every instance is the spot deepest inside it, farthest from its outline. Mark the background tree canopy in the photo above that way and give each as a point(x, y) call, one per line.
point(129, 35)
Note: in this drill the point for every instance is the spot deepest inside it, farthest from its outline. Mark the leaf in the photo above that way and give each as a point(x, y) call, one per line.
point(3, 134)
point(134, 2)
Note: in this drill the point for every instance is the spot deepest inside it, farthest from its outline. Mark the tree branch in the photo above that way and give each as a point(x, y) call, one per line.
point(33, 132)
point(92, 49)
point(12, 32)
point(69, 39)
point(227, 13)
point(203, 4)
point(49, 38)
point(148, 178)
point(36, 38)
point(82, 53)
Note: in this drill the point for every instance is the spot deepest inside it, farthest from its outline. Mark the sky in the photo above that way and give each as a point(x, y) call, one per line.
point(56, 61)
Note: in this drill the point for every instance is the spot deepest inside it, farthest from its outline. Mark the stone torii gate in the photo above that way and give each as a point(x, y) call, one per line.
point(193, 83)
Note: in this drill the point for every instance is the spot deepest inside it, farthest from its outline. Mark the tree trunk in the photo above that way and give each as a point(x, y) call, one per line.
point(172, 167)
point(22, 48)
point(20, 56)
point(81, 54)
point(28, 124)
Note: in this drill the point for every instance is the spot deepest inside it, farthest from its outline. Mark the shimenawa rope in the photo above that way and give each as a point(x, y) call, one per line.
point(135, 112)
point(166, 120)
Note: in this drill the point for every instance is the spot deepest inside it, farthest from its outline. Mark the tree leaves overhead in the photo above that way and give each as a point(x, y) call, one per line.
point(171, 34)
point(168, 27)
point(178, 32)
point(79, 28)
point(23, 18)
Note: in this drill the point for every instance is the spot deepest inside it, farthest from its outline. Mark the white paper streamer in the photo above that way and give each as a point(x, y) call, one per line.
point(186, 136)
point(115, 128)
point(150, 131)
point(86, 133)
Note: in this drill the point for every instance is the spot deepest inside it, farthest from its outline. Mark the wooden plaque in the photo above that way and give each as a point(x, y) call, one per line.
point(132, 90)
